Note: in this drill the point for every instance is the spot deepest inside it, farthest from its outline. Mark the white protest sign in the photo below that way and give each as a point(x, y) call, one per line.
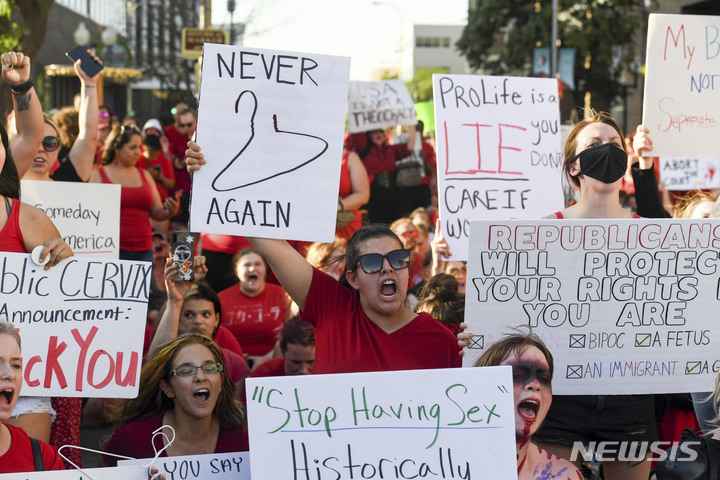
point(271, 127)
point(682, 85)
point(87, 215)
point(444, 423)
point(108, 473)
point(626, 306)
point(82, 324)
point(499, 151)
point(682, 173)
point(381, 104)
point(216, 466)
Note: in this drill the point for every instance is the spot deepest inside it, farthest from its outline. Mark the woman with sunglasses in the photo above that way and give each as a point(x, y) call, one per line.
point(184, 385)
point(139, 198)
point(78, 163)
point(361, 324)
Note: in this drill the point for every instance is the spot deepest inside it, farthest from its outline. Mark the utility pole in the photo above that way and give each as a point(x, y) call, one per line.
point(206, 14)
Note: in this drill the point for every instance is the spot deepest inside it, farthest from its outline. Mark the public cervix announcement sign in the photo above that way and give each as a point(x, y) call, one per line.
point(271, 126)
point(626, 306)
point(456, 423)
point(82, 324)
point(682, 85)
point(87, 215)
point(499, 151)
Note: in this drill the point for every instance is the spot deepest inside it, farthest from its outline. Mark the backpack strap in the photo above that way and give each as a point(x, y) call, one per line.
point(37, 454)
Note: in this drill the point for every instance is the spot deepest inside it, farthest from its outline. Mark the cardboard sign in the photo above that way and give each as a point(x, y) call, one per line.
point(271, 127)
point(682, 85)
point(499, 152)
point(87, 215)
point(444, 423)
point(82, 324)
point(682, 173)
point(626, 306)
point(216, 466)
point(108, 473)
point(376, 105)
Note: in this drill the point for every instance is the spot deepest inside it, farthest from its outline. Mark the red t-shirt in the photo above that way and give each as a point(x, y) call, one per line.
point(166, 167)
point(256, 321)
point(275, 367)
point(19, 458)
point(135, 439)
point(135, 204)
point(383, 159)
point(225, 339)
point(346, 340)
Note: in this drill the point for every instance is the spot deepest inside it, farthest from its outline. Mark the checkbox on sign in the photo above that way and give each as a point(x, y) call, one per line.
point(574, 371)
point(577, 340)
point(642, 339)
point(477, 342)
point(692, 368)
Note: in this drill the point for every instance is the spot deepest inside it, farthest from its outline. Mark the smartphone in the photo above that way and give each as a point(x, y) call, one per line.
point(182, 248)
point(89, 65)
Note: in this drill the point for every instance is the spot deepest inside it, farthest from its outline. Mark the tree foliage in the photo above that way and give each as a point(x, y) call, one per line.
point(501, 34)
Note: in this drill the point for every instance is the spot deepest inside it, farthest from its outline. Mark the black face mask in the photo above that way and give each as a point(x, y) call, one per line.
point(605, 162)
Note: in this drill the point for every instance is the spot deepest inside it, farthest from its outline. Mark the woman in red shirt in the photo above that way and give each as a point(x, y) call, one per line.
point(139, 198)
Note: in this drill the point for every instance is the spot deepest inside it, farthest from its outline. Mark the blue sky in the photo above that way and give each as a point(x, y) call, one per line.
point(366, 30)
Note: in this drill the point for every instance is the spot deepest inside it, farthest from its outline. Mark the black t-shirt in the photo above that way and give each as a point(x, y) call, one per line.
point(66, 172)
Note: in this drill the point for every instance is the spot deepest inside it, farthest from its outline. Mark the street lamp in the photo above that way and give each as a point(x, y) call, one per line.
point(82, 35)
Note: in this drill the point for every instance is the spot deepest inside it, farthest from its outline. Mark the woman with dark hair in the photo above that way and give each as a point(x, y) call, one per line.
point(532, 371)
point(441, 298)
point(361, 324)
point(185, 386)
point(139, 198)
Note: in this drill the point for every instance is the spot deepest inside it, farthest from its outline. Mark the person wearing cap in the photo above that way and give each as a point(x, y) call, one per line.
point(154, 159)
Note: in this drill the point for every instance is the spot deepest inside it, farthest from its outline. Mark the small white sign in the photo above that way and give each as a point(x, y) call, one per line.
point(683, 173)
point(381, 104)
point(87, 215)
point(216, 466)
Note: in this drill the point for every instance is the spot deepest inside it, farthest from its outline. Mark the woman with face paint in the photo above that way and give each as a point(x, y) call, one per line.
point(532, 371)
point(596, 161)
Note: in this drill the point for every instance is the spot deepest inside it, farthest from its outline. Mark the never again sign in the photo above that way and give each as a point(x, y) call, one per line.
point(270, 124)
point(82, 324)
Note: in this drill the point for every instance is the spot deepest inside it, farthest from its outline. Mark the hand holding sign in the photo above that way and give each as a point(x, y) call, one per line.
point(269, 144)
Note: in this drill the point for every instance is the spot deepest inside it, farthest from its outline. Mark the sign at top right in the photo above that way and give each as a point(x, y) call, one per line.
point(682, 85)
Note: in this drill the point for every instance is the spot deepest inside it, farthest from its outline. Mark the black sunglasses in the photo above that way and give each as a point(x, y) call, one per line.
point(125, 129)
point(50, 144)
point(524, 372)
point(373, 262)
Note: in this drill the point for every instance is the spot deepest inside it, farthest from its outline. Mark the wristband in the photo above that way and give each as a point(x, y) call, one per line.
point(21, 88)
point(342, 207)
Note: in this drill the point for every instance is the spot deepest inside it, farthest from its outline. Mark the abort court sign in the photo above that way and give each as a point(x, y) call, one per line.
point(626, 306)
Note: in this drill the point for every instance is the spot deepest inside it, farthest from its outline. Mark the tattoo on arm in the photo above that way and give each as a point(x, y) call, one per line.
point(23, 102)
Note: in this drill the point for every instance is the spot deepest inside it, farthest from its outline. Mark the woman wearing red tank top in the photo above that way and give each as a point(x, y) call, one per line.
point(139, 197)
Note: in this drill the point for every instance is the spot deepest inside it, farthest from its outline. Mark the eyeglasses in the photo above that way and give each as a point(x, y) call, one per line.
point(50, 144)
point(186, 124)
point(103, 115)
point(523, 373)
point(373, 262)
point(188, 370)
point(409, 233)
